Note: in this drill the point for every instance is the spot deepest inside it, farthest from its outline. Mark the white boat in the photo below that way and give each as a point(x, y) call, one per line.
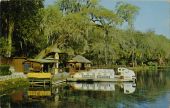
point(122, 74)
point(125, 73)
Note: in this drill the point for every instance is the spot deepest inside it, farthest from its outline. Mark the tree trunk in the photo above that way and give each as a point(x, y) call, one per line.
point(106, 47)
point(133, 64)
point(9, 38)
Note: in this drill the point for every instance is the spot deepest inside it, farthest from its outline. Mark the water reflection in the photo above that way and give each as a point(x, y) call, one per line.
point(56, 92)
point(152, 90)
point(43, 96)
point(39, 93)
point(57, 95)
point(128, 87)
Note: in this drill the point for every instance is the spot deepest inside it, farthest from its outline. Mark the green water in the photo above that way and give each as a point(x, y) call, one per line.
point(152, 90)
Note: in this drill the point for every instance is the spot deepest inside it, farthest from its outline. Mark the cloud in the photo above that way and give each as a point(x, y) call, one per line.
point(168, 1)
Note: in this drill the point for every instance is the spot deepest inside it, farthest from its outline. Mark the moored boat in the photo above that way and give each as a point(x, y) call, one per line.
point(122, 74)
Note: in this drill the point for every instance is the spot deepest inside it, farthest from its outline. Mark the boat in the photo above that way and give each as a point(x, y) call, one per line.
point(97, 75)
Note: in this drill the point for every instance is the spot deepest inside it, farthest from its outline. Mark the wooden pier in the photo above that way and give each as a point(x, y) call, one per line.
point(39, 79)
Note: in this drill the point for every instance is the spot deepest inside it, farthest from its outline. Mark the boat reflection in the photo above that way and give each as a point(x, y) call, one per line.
point(128, 87)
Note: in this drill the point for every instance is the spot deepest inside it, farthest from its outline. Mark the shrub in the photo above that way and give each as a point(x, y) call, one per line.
point(152, 63)
point(4, 70)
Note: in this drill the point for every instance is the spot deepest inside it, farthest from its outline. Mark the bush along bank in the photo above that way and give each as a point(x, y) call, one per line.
point(13, 84)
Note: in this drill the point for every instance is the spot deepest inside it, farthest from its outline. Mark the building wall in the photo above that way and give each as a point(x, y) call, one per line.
point(16, 62)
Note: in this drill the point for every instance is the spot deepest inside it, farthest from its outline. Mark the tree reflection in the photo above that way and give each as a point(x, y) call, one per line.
point(150, 87)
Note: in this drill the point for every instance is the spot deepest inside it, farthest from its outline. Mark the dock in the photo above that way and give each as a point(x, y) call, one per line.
point(39, 79)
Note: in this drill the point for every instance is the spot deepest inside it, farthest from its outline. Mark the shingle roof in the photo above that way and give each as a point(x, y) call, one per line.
point(46, 51)
point(80, 59)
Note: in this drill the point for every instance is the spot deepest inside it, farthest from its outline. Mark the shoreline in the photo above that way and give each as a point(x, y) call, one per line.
point(136, 68)
point(10, 84)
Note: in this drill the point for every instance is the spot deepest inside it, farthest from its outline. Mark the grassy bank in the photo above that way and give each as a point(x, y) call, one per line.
point(12, 84)
point(143, 68)
point(146, 68)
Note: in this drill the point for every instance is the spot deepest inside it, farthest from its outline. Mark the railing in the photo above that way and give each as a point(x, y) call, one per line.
point(107, 66)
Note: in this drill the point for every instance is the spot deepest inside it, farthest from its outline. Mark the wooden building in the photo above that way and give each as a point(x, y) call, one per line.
point(46, 61)
point(41, 69)
point(16, 62)
point(41, 65)
point(78, 63)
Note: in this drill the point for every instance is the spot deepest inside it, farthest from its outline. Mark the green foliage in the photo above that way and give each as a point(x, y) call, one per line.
point(83, 27)
point(4, 70)
point(3, 44)
point(126, 12)
point(19, 26)
point(6, 86)
point(152, 63)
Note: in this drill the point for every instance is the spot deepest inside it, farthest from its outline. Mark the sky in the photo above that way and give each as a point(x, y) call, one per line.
point(153, 14)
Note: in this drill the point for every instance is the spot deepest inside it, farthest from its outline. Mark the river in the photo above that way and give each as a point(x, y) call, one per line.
point(151, 90)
